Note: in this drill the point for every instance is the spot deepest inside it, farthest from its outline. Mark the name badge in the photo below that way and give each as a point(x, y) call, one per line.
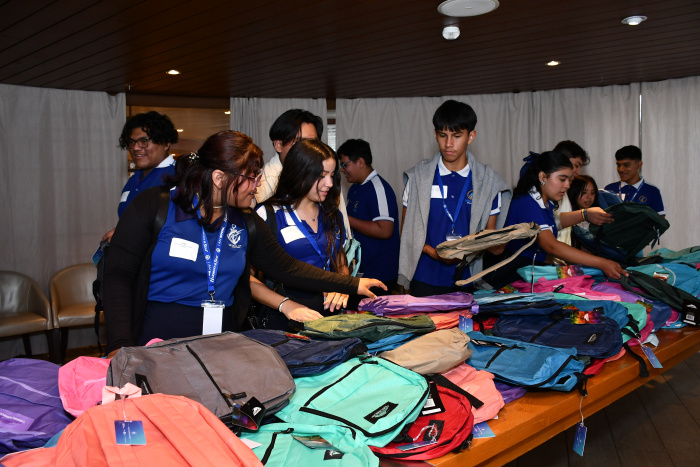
point(125, 195)
point(435, 192)
point(213, 316)
point(291, 233)
point(181, 248)
point(452, 237)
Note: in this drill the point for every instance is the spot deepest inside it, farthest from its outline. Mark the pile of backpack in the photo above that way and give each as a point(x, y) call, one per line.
point(404, 377)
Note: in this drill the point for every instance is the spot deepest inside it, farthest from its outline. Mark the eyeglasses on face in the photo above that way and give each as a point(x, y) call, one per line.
point(256, 178)
point(142, 142)
point(344, 165)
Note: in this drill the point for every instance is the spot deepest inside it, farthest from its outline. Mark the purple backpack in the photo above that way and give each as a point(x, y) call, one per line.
point(404, 304)
point(31, 411)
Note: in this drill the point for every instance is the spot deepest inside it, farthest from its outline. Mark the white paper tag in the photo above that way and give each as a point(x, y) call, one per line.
point(291, 233)
point(250, 443)
point(213, 317)
point(435, 192)
point(181, 248)
point(125, 195)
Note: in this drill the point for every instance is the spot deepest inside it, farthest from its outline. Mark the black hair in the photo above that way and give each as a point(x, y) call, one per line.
point(572, 150)
point(547, 162)
point(454, 116)
point(230, 151)
point(578, 184)
point(356, 148)
point(302, 168)
point(628, 152)
point(288, 125)
point(157, 126)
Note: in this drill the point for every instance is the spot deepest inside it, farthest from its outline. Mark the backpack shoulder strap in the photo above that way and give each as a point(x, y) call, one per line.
point(251, 227)
point(163, 205)
point(271, 220)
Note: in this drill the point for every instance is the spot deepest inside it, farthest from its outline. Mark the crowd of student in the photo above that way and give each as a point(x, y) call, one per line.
point(180, 258)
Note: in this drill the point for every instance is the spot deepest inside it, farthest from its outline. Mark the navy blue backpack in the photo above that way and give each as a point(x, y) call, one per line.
point(305, 356)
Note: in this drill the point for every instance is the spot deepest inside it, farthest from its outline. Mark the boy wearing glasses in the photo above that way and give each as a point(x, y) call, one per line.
point(372, 213)
point(447, 197)
point(148, 137)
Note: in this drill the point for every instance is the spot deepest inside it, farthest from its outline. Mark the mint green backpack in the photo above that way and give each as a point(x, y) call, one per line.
point(373, 396)
point(283, 444)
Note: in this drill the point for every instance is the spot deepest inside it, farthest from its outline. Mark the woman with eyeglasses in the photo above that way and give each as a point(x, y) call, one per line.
point(148, 137)
point(191, 276)
point(308, 223)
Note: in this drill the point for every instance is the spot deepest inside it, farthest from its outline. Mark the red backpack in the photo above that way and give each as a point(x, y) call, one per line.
point(448, 420)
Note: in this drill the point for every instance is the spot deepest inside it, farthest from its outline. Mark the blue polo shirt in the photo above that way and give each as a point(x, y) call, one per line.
point(137, 182)
point(296, 244)
point(641, 193)
point(178, 267)
point(374, 200)
point(531, 208)
point(428, 270)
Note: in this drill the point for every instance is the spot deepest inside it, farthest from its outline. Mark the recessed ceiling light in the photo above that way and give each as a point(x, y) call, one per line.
point(450, 33)
point(173, 72)
point(553, 63)
point(180, 130)
point(634, 20)
point(228, 112)
point(467, 7)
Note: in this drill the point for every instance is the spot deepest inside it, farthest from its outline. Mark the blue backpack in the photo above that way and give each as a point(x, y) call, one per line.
point(305, 356)
point(373, 396)
point(524, 364)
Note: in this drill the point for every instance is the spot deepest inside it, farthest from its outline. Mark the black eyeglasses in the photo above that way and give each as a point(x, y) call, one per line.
point(142, 142)
point(344, 165)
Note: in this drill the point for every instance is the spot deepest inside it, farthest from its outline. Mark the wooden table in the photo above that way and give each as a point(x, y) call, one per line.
point(538, 416)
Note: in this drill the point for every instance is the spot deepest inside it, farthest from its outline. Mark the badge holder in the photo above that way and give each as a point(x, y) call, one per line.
point(212, 317)
point(129, 432)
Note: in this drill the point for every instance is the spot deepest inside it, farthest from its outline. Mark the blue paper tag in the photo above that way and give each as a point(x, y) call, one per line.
point(483, 430)
point(465, 324)
point(580, 439)
point(652, 357)
point(129, 432)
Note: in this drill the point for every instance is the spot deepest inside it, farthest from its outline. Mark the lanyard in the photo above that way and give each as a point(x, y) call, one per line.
point(212, 266)
point(460, 201)
point(635, 193)
point(312, 240)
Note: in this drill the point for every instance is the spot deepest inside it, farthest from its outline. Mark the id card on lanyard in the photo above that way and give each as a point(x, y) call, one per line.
point(460, 202)
point(326, 262)
point(213, 310)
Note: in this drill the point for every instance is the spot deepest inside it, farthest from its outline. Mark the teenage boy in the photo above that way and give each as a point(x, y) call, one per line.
point(446, 197)
point(372, 211)
point(632, 187)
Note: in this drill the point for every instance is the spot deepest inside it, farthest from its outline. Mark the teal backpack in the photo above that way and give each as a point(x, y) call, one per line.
point(373, 396)
point(283, 444)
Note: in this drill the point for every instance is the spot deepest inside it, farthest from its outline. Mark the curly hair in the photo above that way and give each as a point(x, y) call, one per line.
point(157, 126)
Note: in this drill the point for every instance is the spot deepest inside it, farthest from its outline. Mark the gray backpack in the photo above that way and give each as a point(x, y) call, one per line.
point(219, 371)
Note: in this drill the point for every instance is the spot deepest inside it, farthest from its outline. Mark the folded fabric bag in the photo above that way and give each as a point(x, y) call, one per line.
point(80, 383)
point(373, 396)
point(480, 384)
point(287, 444)
point(403, 304)
point(367, 327)
point(177, 431)
point(436, 352)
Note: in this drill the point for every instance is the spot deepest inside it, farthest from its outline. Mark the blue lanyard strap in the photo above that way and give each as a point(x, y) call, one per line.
point(460, 201)
point(212, 265)
point(635, 193)
point(312, 240)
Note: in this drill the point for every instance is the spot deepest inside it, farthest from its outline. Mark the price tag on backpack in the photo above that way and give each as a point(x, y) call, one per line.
point(465, 324)
point(129, 432)
point(580, 438)
point(314, 442)
point(651, 356)
point(433, 404)
point(482, 430)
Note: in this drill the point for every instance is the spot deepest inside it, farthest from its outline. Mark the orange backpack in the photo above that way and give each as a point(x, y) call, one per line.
point(179, 432)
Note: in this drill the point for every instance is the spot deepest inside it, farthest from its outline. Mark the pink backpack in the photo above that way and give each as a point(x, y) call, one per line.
point(478, 383)
point(80, 383)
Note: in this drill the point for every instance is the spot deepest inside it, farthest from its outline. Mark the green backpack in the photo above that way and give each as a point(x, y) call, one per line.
point(635, 226)
point(367, 327)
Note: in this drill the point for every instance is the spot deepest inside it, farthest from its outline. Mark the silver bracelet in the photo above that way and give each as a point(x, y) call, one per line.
point(279, 307)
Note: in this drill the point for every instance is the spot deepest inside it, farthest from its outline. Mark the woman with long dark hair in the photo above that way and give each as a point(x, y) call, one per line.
point(583, 193)
point(309, 223)
point(544, 181)
point(192, 275)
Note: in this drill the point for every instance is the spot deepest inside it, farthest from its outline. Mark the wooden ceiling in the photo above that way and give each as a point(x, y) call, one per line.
point(346, 49)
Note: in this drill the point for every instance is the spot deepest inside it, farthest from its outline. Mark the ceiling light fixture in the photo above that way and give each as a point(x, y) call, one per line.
point(180, 130)
point(467, 7)
point(227, 112)
point(450, 33)
point(173, 72)
point(553, 63)
point(634, 20)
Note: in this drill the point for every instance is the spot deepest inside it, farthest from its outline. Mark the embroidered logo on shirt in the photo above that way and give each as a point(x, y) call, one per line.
point(234, 236)
point(642, 199)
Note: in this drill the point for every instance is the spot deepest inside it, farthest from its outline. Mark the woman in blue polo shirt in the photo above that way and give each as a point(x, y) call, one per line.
point(309, 223)
point(544, 181)
point(191, 276)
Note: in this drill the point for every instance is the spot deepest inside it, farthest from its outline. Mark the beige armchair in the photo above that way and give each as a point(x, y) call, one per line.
point(72, 303)
point(24, 309)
